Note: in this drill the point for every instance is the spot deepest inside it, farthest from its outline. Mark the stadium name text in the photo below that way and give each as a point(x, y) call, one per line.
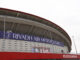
point(16, 36)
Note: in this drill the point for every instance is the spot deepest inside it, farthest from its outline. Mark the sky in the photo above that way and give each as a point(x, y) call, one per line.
point(65, 13)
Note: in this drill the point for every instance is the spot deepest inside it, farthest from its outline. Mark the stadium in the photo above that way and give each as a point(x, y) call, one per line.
point(24, 32)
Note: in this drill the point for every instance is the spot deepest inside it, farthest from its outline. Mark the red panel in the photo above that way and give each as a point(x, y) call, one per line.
point(78, 56)
point(21, 55)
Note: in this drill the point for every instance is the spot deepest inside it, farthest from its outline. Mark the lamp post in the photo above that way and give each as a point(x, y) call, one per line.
point(74, 44)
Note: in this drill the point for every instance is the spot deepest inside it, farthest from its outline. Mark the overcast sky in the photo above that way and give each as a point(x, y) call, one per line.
point(65, 13)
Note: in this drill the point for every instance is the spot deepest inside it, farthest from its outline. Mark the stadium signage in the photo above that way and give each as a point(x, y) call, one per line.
point(69, 56)
point(16, 36)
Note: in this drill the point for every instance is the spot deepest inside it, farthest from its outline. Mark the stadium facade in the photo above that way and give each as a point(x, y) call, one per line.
point(23, 32)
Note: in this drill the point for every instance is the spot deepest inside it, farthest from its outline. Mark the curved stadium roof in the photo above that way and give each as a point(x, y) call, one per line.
point(19, 14)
